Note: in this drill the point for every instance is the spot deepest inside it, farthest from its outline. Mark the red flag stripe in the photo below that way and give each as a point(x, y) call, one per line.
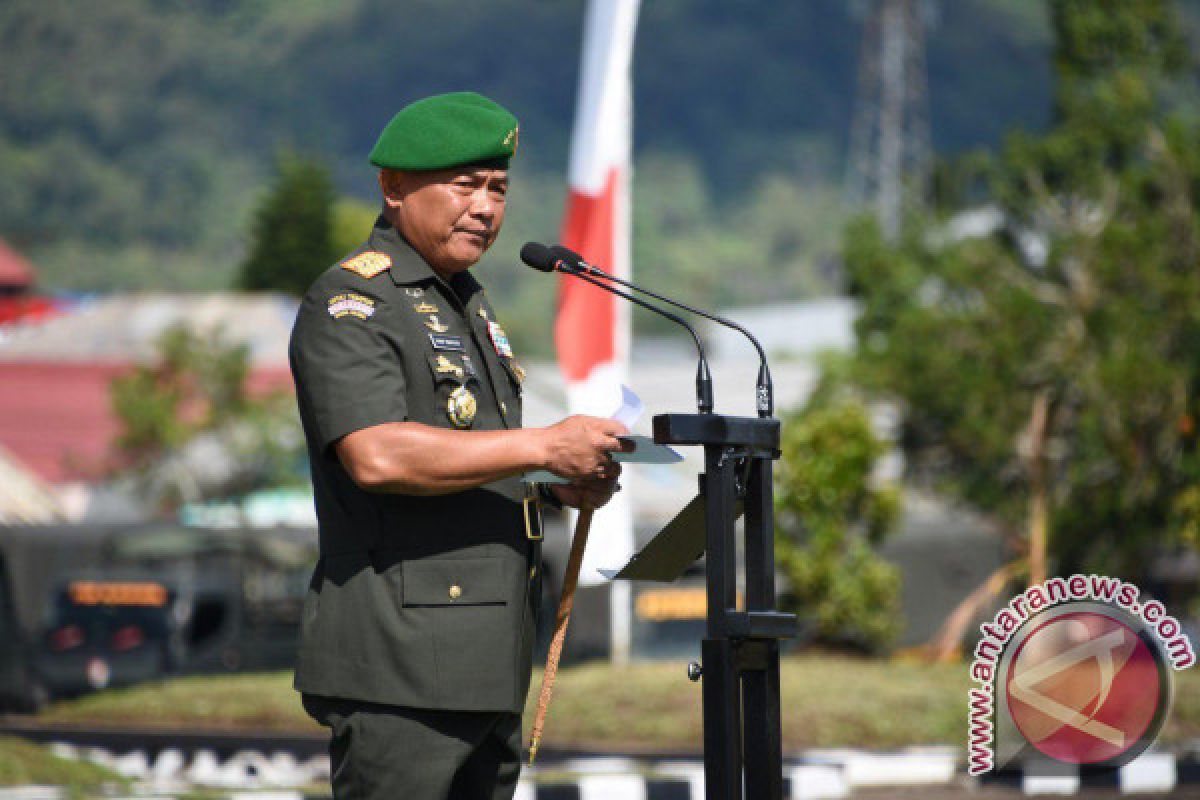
point(586, 325)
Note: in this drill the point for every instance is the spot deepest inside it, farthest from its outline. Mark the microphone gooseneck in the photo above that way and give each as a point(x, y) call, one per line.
point(764, 399)
point(704, 392)
point(543, 259)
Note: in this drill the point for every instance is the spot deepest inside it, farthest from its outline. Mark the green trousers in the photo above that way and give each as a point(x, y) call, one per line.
point(380, 752)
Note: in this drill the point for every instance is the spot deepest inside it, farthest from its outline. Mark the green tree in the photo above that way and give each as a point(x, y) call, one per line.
point(1048, 374)
point(292, 237)
point(352, 223)
point(197, 387)
point(143, 175)
point(829, 517)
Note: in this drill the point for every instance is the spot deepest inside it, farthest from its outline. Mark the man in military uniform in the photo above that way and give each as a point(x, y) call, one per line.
point(418, 625)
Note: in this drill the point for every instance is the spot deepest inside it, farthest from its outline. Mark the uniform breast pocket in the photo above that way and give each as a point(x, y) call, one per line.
point(456, 389)
point(455, 582)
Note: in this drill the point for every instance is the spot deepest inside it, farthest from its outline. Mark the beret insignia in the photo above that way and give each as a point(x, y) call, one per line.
point(368, 264)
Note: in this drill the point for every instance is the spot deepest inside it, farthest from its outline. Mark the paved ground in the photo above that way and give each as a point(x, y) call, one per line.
point(963, 791)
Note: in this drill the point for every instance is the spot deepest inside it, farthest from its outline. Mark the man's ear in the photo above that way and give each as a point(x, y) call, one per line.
point(391, 185)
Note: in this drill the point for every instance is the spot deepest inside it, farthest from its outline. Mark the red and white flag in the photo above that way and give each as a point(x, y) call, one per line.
point(592, 329)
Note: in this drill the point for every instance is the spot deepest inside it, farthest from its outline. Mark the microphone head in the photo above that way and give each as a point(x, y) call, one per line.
point(567, 254)
point(538, 256)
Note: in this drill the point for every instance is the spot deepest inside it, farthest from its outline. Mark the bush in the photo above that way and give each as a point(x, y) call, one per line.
point(830, 514)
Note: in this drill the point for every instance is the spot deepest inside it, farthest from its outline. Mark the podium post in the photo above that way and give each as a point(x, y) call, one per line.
point(743, 749)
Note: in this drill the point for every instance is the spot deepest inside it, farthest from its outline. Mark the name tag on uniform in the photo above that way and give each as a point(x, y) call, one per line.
point(499, 340)
point(443, 342)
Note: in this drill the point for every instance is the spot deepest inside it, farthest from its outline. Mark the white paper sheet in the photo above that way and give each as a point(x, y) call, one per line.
point(646, 451)
point(631, 408)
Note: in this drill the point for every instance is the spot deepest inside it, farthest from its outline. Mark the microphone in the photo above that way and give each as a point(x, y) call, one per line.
point(764, 392)
point(543, 259)
point(540, 257)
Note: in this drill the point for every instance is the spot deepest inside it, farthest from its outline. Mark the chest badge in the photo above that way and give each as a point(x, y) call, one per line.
point(499, 340)
point(425, 308)
point(435, 325)
point(445, 365)
point(414, 291)
point(460, 407)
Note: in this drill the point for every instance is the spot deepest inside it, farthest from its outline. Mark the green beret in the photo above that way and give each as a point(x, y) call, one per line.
point(447, 130)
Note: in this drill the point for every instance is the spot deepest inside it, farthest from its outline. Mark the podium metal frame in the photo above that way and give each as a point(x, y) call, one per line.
point(740, 651)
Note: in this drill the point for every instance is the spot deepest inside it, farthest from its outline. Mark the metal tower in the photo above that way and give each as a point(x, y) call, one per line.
point(890, 161)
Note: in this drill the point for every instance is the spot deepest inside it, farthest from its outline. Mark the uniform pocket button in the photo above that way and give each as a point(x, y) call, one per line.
point(503, 408)
point(455, 592)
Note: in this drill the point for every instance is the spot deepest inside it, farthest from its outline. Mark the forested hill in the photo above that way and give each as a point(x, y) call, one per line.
point(136, 135)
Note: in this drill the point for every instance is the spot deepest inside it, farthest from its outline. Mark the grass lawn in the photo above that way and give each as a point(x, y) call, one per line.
point(22, 762)
point(828, 701)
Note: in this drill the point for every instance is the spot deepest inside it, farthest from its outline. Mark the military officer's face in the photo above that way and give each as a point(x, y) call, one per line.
point(449, 216)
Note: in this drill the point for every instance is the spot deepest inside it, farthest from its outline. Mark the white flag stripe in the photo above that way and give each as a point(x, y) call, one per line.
point(603, 106)
point(600, 153)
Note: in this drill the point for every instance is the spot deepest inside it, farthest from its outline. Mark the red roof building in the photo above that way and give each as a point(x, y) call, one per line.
point(56, 416)
point(16, 274)
point(18, 303)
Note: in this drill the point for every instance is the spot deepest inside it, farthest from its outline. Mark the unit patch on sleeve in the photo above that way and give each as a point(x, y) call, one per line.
point(368, 264)
point(351, 304)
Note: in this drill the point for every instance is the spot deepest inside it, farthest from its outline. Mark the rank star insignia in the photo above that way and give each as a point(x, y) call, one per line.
point(368, 264)
point(445, 365)
point(425, 308)
point(519, 371)
point(435, 325)
point(483, 313)
point(460, 407)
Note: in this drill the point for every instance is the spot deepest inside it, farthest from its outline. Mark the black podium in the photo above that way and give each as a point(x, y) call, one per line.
point(740, 652)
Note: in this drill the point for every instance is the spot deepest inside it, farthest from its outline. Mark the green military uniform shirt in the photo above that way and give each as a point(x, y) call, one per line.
point(416, 601)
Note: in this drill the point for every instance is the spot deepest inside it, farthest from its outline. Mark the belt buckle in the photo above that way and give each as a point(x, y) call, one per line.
point(531, 498)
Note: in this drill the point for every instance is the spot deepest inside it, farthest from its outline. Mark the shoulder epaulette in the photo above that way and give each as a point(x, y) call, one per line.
point(368, 264)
